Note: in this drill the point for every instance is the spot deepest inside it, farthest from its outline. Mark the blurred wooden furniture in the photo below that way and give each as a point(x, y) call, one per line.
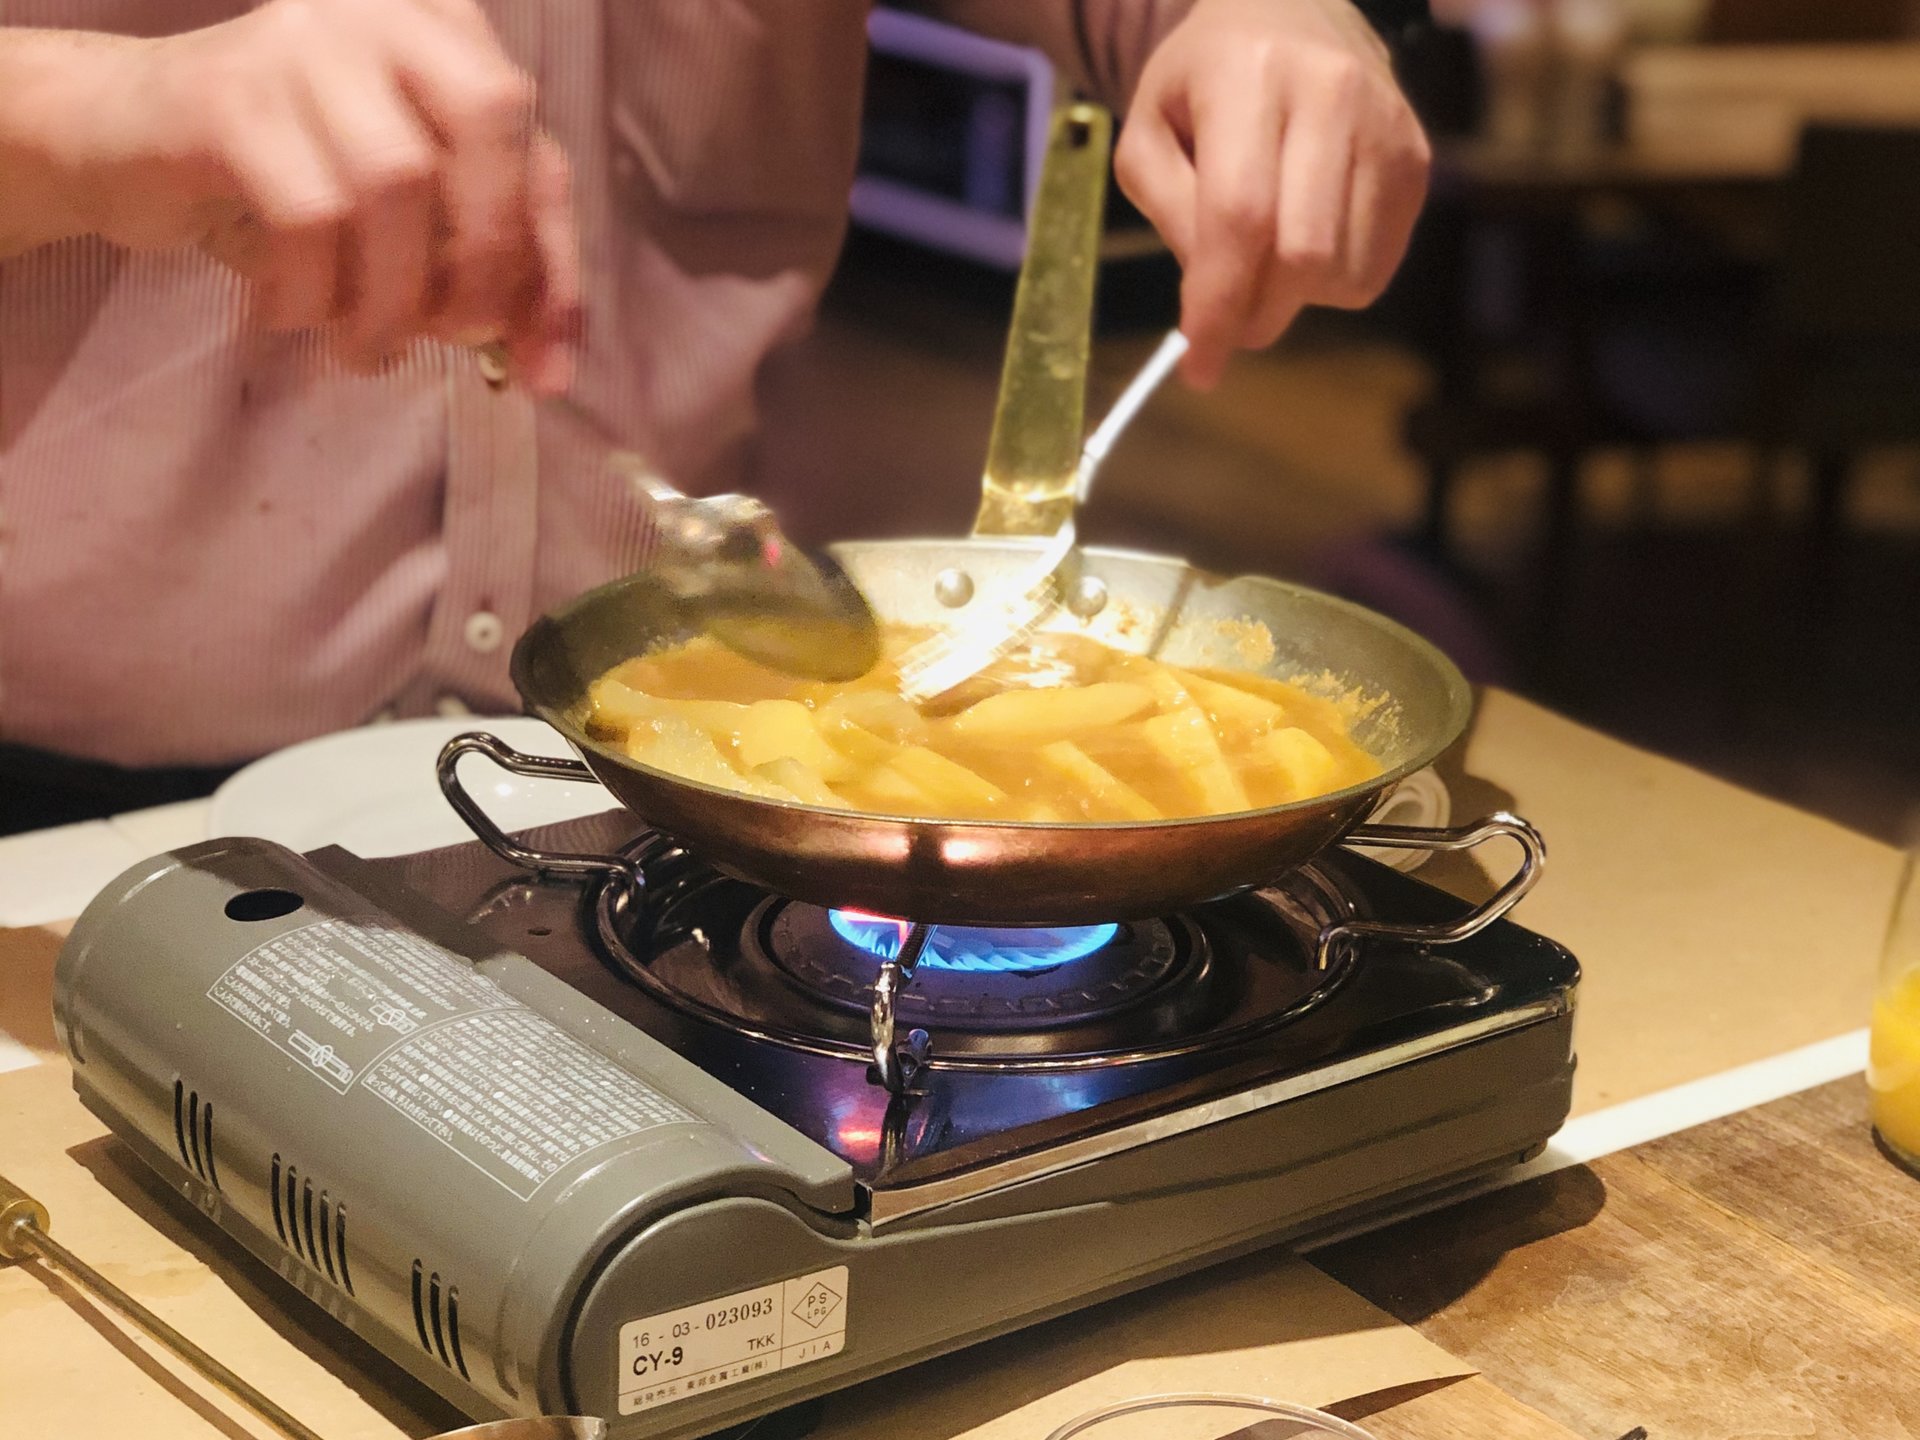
point(1823, 367)
point(1502, 293)
point(1815, 353)
point(1789, 22)
point(1689, 114)
point(1741, 108)
point(1843, 372)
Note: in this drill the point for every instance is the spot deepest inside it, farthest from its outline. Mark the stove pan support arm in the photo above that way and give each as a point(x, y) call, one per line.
point(1340, 935)
point(895, 1064)
point(534, 767)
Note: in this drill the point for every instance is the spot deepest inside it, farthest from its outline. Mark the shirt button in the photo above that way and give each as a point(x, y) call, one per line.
point(484, 631)
point(493, 367)
point(451, 706)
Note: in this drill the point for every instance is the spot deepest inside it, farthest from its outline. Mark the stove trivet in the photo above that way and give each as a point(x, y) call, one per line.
point(634, 888)
point(773, 969)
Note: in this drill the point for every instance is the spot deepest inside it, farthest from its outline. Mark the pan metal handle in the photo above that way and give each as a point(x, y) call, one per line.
point(1033, 456)
point(1499, 825)
point(532, 767)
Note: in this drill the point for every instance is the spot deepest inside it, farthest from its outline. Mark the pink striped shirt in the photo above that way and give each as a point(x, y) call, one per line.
point(214, 541)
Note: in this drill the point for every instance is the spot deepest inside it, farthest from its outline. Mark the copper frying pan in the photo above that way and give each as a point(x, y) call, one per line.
point(1013, 873)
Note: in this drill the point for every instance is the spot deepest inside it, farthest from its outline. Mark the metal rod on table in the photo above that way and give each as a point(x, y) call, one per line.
point(23, 1236)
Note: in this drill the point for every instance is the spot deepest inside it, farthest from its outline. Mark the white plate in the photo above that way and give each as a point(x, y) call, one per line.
point(373, 790)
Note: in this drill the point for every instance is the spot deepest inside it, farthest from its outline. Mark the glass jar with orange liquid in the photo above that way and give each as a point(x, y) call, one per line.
point(1893, 1066)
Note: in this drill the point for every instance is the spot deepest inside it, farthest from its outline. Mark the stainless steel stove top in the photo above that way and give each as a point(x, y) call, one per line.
point(553, 1123)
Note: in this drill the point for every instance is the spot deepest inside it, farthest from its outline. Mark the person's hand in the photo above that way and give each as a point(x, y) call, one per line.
point(373, 162)
point(1270, 146)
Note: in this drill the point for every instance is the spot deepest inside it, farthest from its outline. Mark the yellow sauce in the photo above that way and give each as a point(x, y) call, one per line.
point(1065, 730)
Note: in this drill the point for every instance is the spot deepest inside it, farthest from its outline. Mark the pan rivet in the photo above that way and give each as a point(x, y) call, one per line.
point(1088, 597)
point(953, 588)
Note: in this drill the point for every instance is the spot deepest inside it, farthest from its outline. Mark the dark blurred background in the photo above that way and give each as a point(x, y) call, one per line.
point(1636, 432)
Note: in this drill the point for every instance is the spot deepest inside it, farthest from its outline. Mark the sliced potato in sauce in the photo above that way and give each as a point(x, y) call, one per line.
point(1065, 730)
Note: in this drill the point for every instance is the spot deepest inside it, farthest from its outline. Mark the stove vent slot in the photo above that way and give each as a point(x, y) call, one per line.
point(313, 1225)
point(436, 1318)
point(306, 1213)
point(340, 1243)
point(193, 1132)
point(326, 1237)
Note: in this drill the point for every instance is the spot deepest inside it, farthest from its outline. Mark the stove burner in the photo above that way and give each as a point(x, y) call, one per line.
point(781, 971)
point(1002, 951)
point(961, 986)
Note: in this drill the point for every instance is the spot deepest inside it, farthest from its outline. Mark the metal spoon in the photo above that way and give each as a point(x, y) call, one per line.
point(739, 579)
point(735, 576)
point(23, 1237)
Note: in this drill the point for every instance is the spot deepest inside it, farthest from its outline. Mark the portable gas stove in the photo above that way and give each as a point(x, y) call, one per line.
point(666, 1148)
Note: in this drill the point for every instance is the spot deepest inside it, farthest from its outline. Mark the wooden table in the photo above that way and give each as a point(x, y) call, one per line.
point(1752, 1277)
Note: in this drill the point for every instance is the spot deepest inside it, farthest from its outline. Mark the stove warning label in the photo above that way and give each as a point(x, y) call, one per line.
point(338, 994)
point(370, 1006)
point(722, 1342)
point(514, 1094)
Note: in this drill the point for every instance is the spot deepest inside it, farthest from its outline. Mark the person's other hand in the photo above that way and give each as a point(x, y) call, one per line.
point(373, 162)
point(1269, 144)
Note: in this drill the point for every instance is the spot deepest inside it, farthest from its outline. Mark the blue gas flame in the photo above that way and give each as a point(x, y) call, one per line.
point(981, 950)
